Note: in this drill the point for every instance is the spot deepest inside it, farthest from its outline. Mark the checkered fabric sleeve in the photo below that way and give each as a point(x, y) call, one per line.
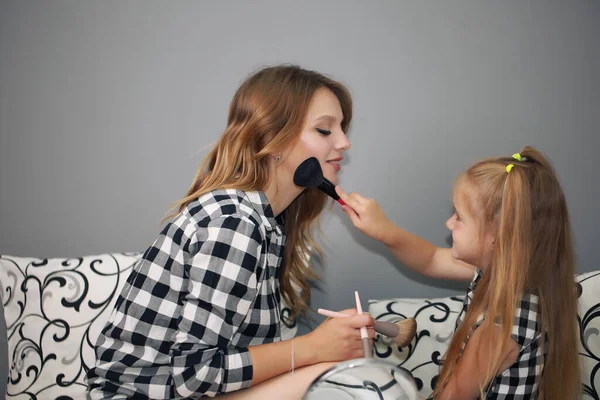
point(520, 380)
point(202, 293)
point(216, 305)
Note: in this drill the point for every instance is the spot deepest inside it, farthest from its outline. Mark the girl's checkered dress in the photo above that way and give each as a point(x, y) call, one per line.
point(520, 380)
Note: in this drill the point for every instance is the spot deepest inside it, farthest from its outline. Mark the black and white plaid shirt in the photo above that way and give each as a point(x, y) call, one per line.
point(201, 294)
point(520, 380)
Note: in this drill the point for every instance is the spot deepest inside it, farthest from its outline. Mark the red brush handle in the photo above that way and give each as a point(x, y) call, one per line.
point(341, 202)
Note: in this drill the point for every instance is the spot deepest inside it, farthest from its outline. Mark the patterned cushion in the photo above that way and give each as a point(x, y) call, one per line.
point(436, 319)
point(54, 311)
point(588, 285)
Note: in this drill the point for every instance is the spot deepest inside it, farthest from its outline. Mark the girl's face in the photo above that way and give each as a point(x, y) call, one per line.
point(322, 136)
point(471, 243)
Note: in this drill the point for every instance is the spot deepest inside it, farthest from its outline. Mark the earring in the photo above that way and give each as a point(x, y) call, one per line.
point(278, 158)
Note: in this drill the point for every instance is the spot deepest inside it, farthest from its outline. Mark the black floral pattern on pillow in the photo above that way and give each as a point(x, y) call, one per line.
point(435, 323)
point(54, 311)
point(588, 287)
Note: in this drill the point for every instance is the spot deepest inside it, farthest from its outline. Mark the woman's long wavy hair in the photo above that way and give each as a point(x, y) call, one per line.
point(532, 254)
point(266, 116)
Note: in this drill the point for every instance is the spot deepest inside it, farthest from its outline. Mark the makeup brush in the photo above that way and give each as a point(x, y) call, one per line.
point(402, 331)
point(309, 174)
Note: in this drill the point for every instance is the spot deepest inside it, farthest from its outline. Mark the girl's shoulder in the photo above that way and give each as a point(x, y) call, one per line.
point(527, 322)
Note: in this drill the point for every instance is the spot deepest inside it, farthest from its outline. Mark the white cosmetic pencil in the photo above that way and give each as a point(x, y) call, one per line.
point(364, 336)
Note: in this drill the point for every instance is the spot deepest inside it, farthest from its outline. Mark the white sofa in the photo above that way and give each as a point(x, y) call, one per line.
point(55, 308)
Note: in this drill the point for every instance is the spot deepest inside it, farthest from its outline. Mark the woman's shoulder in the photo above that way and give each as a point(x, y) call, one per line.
point(220, 204)
point(220, 209)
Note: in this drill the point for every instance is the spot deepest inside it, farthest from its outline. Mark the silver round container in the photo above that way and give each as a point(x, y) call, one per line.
point(363, 379)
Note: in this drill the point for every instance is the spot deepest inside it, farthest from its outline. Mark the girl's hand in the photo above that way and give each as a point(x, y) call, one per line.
point(338, 339)
point(365, 214)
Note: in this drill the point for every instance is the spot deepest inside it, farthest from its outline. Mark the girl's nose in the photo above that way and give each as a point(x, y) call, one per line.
point(449, 223)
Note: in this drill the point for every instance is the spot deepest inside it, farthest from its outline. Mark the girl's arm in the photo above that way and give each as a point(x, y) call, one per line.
point(416, 253)
point(469, 374)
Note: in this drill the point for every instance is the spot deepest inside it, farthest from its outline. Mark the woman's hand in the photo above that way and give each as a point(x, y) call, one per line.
point(338, 339)
point(365, 214)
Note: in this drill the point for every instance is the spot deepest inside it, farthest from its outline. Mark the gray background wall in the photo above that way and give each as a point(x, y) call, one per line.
point(106, 109)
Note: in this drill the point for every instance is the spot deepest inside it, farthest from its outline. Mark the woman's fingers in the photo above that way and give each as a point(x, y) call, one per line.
point(360, 321)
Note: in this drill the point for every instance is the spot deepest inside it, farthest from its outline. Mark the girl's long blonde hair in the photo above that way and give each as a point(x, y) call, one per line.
point(532, 254)
point(266, 115)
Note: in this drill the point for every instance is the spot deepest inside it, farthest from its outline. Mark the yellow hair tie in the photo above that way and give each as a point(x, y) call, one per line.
point(517, 157)
point(509, 167)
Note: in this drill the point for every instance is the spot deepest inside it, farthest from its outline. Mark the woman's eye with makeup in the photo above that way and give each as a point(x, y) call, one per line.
point(323, 131)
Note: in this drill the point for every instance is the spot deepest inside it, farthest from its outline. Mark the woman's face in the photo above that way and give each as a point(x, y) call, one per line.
point(322, 136)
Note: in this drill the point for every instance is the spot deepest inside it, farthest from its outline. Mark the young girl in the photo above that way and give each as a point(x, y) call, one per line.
point(200, 313)
point(516, 337)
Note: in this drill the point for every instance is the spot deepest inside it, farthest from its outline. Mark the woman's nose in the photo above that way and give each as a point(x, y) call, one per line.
point(342, 142)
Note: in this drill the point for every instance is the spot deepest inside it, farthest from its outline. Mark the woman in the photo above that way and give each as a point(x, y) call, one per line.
point(200, 313)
